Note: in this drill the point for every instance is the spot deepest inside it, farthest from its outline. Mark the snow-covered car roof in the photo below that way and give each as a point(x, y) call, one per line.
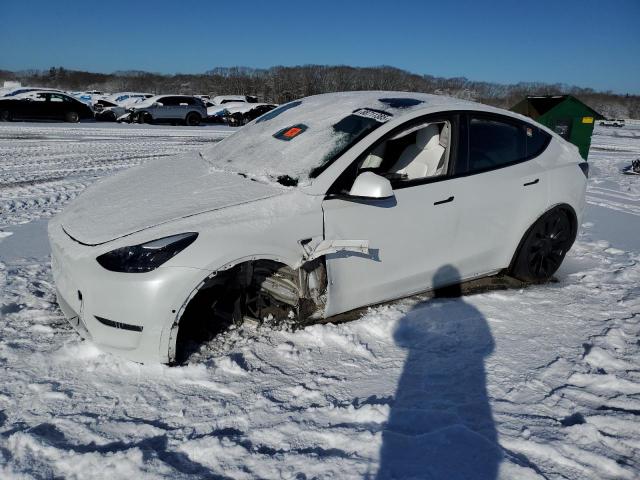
point(35, 93)
point(22, 90)
point(122, 106)
point(234, 107)
point(88, 97)
point(119, 97)
point(244, 107)
point(214, 109)
point(218, 99)
point(298, 138)
point(147, 102)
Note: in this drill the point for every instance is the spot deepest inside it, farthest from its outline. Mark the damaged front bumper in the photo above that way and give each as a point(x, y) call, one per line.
point(127, 314)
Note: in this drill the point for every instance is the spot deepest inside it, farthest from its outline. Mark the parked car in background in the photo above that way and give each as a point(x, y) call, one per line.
point(120, 98)
point(239, 114)
point(217, 113)
point(111, 112)
point(89, 97)
point(236, 113)
point(116, 105)
point(37, 105)
point(20, 90)
point(617, 122)
point(185, 109)
point(323, 205)
point(222, 99)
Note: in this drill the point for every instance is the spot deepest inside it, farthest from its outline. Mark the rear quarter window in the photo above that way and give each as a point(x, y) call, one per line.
point(496, 142)
point(537, 140)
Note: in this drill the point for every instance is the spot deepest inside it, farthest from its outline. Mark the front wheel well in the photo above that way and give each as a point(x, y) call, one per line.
point(258, 289)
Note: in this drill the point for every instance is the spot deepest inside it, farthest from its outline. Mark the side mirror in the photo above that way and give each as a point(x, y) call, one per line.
point(370, 185)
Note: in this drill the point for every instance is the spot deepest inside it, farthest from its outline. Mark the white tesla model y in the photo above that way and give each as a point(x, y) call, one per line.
point(321, 206)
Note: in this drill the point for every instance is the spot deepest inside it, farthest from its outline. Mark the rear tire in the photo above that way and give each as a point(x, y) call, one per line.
point(72, 117)
point(5, 116)
point(193, 119)
point(544, 246)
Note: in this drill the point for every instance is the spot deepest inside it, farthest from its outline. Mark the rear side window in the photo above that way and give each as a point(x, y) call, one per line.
point(537, 140)
point(169, 101)
point(495, 143)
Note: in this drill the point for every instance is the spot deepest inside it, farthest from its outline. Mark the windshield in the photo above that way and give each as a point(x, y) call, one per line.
point(295, 142)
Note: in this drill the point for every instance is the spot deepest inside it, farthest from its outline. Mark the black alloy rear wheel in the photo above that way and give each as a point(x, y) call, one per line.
point(545, 246)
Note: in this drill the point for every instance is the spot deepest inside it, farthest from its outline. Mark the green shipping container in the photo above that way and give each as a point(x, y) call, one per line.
point(565, 115)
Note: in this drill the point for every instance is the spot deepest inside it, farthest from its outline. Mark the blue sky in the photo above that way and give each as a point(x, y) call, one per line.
point(582, 42)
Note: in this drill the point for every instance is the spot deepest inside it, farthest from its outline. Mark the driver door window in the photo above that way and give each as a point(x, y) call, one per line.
point(411, 156)
point(164, 110)
point(411, 234)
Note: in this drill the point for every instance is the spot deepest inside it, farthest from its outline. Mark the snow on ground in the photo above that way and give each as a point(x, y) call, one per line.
point(540, 382)
point(43, 166)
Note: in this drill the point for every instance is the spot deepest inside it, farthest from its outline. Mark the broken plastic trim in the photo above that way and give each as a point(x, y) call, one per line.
point(326, 247)
point(121, 326)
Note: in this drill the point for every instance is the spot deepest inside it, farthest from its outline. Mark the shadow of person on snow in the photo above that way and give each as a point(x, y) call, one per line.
point(440, 425)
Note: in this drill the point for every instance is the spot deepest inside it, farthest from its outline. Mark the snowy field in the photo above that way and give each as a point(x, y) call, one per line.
point(534, 383)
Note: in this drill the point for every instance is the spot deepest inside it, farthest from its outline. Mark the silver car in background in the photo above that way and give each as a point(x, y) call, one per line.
point(185, 109)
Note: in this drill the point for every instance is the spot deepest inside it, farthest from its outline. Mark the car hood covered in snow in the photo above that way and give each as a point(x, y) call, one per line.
point(154, 194)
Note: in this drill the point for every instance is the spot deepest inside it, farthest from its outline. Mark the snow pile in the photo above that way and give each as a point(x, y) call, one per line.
point(535, 383)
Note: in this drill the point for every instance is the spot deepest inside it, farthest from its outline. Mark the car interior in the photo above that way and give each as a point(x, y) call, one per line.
point(420, 152)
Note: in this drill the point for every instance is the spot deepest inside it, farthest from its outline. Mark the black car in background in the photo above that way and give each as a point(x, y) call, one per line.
point(44, 105)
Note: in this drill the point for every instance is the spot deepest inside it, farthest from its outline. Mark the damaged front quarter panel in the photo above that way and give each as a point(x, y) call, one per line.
point(313, 250)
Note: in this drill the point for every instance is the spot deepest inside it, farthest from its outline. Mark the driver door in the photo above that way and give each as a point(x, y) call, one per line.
point(160, 112)
point(410, 235)
point(34, 106)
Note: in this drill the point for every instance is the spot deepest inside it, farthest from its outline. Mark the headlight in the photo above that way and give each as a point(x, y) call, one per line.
point(147, 256)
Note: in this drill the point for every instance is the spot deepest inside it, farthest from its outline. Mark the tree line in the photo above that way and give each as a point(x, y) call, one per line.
point(281, 84)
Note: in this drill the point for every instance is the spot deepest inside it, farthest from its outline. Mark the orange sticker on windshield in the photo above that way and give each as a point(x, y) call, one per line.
point(292, 132)
point(288, 133)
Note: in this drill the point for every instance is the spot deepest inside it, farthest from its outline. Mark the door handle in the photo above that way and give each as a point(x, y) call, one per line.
point(531, 183)
point(450, 199)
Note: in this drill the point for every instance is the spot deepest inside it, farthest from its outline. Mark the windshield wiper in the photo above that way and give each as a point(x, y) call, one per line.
point(287, 181)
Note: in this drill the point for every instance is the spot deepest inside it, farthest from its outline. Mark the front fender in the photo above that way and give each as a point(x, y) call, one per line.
point(169, 334)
